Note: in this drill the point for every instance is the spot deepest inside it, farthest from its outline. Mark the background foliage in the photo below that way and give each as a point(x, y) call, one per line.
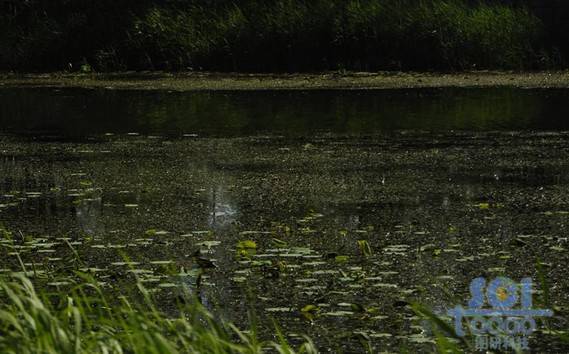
point(282, 35)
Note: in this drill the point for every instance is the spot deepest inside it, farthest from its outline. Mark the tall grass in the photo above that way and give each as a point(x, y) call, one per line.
point(276, 35)
point(296, 35)
point(86, 321)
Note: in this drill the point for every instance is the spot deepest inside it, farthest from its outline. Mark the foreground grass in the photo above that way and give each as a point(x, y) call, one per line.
point(86, 321)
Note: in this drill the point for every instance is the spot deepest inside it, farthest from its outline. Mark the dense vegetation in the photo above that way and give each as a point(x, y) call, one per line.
point(281, 35)
point(86, 321)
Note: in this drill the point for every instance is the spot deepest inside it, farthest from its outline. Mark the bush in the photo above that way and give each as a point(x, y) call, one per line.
point(277, 35)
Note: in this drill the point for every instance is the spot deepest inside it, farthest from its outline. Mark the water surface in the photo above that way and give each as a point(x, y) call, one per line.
point(81, 112)
point(444, 185)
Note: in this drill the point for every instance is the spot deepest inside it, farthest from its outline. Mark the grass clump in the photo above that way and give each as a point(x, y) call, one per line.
point(85, 321)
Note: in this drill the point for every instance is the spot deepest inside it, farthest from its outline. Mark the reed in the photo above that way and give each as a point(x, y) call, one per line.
point(277, 35)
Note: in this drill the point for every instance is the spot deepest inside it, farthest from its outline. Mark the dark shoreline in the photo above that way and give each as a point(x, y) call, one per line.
point(197, 81)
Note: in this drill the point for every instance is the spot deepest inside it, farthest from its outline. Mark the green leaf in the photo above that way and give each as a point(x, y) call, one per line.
point(247, 244)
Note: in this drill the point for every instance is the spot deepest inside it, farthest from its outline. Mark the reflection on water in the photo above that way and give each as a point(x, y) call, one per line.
point(223, 212)
point(79, 112)
point(88, 215)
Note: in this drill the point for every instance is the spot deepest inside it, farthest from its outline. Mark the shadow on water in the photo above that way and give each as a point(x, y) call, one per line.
point(73, 113)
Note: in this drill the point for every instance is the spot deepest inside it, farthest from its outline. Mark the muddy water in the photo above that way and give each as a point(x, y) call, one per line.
point(280, 210)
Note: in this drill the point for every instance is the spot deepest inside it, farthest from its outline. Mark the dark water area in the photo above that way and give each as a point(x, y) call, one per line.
point(74, 113)
point(467, 183)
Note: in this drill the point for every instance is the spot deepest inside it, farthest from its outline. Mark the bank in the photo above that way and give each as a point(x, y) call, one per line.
point(195, 81)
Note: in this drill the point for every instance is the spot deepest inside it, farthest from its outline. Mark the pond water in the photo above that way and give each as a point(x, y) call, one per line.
point(279, 189)
point(75, 113)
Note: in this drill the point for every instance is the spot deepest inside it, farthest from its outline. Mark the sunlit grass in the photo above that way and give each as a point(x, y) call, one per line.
point(86, 320)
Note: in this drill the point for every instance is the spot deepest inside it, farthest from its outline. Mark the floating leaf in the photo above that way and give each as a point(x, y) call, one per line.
point(483, 205)
point(357, 308)
point(278, 243)
point(557, 248)
point(309, 308)
point(247, 244)
point(427, 247)
point(278, 309)
point(209, 244)
point(341, 259)
point(339, 313)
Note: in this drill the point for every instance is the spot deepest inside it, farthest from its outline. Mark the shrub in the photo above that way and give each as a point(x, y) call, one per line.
point(277, 35)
